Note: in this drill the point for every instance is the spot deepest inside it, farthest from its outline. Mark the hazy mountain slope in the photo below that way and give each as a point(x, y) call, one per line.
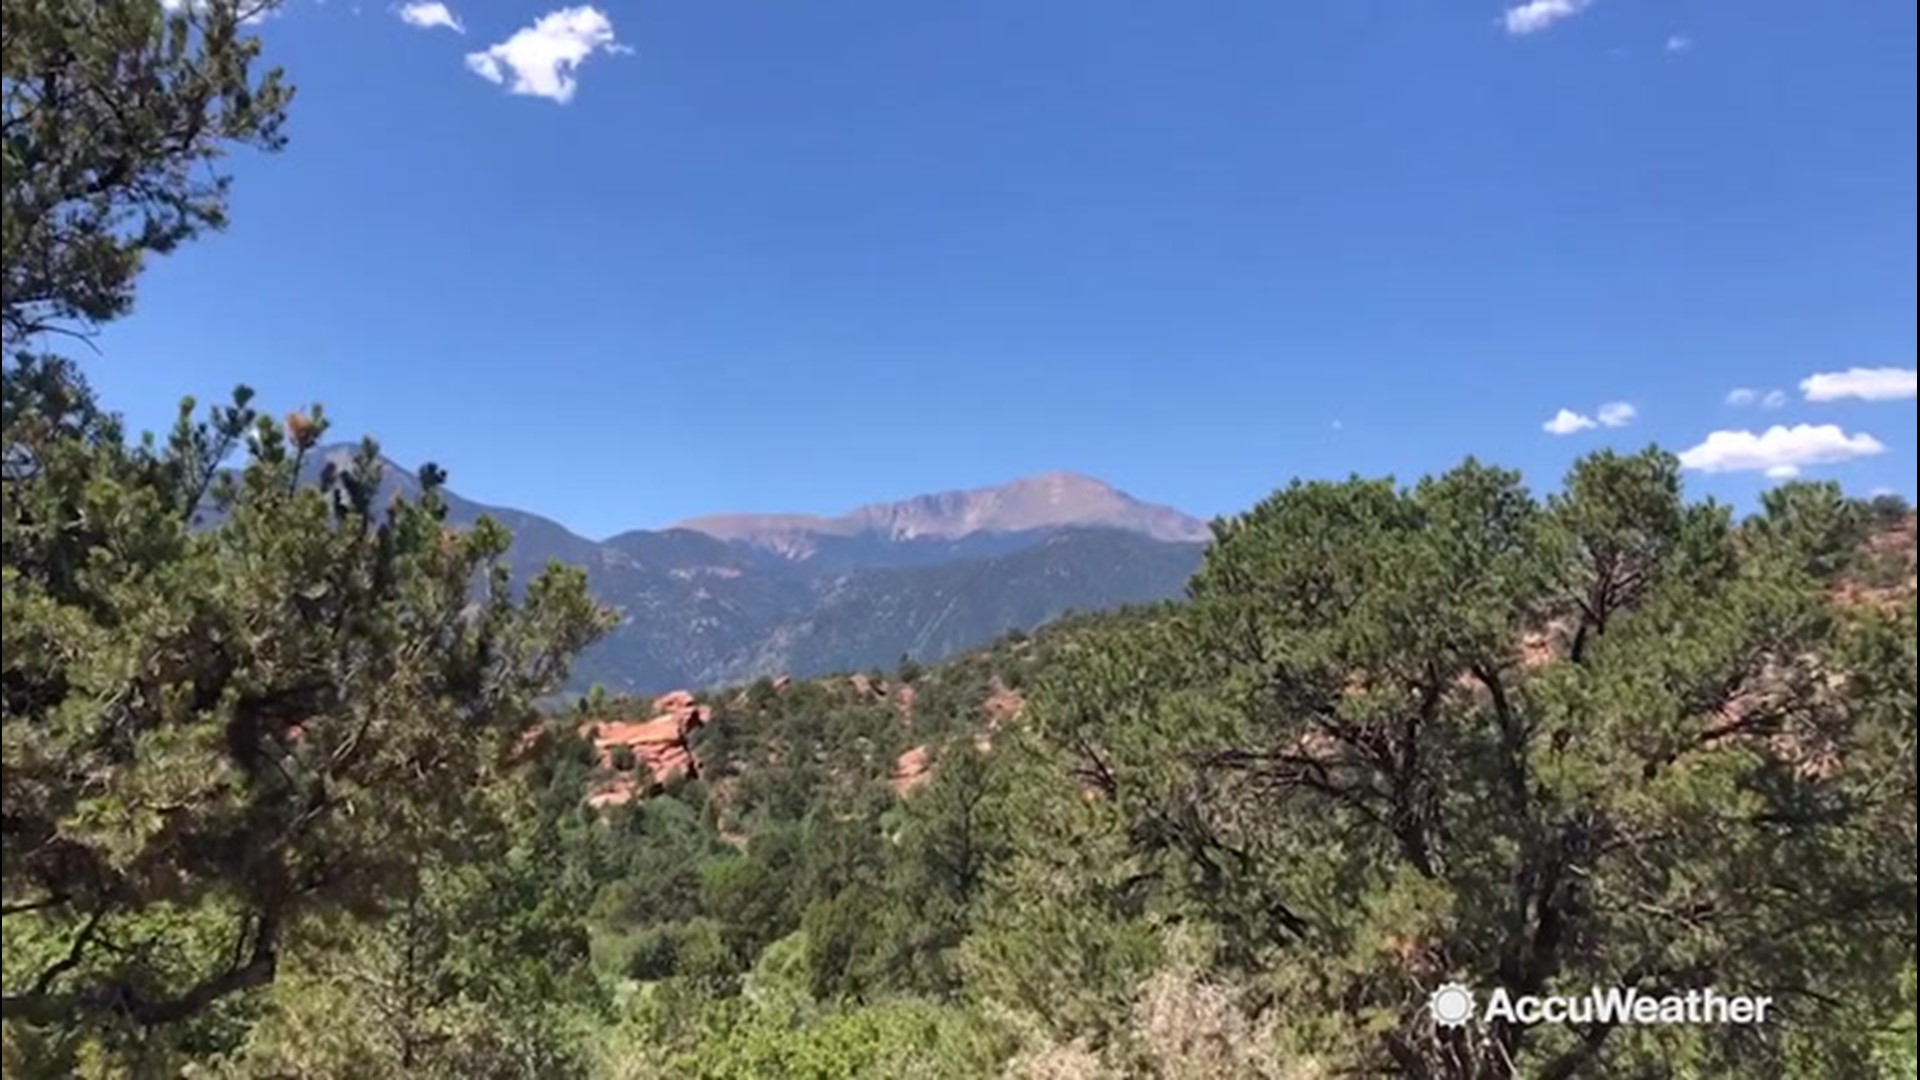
point(1051, 501)
point(871, 619)
point(721, 604)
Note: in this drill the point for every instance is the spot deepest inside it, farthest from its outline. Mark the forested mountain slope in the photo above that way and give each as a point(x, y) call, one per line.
point(745, 596)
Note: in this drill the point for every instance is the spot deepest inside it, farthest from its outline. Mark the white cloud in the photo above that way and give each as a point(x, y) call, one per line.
point(1779, 452)
point(1613, 414)
point(543, 60)
point(1745, 396)
point(429, 14)
point(1617, 414)
point(1536, 15)
point(1867, 384)
point(1679, 43)
point(1566, 422)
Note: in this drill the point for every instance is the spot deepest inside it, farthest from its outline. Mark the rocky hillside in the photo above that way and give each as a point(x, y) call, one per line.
point(751, 744)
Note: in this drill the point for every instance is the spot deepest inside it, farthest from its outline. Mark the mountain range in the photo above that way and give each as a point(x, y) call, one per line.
point(730, 598)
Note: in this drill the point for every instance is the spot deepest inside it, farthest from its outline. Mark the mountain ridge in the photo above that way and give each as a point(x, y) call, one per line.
point(927, 577)
point(1058, 499)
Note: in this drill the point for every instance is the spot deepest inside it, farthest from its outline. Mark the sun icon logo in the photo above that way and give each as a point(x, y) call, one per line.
point(1451, 1005)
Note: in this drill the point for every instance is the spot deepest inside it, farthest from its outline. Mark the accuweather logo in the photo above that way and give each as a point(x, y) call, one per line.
point(1455, 1005)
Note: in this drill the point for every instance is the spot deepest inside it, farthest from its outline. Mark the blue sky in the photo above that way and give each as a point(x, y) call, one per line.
point(797, 254)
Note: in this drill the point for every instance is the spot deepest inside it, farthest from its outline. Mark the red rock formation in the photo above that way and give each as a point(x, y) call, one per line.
point(615, 792)
point(679, 701)
point(911, 769)
point(659, 746)
point(1003, 703)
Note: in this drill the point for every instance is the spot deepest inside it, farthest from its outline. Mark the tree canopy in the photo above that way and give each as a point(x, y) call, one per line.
point(236, 698)
point(114, 114)
point(1451, 733)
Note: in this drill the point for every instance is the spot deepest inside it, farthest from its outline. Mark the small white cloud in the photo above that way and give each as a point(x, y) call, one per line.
point(1866, 384)
point(1536, 15)
point(1616, 414)
point(1779, 452)
point(543, 60)
point(429, 15)
point(1339, 425)
point(1679, 43)
point(1566, 422)
point(1745, 396)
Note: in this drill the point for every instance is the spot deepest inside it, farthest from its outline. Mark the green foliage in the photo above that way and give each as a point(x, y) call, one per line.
point(115, 112)
point(1888, 511)
point(953, 834)
point(238, 708)
point(1340, 756)
point(1063, 932)
point(735, 1039)
point(846, 944)
point(693, 950)
point(1895, 1054)
point(481, 973)
point(276, 716)
point(756, 895)
point(1813, 528)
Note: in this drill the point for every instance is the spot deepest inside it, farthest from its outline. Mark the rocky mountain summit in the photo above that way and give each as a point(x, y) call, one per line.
point(1048, 501)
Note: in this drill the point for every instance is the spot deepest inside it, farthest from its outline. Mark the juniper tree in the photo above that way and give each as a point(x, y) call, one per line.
point(1450, 732)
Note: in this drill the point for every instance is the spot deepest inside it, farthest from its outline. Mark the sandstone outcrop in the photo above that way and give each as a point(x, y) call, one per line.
point(657, 746)
point(911, 769)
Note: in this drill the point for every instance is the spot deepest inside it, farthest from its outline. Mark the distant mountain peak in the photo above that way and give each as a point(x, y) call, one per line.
point(1059, 499)
point(727, 599)
point(1061, 484)
point(1062, 477)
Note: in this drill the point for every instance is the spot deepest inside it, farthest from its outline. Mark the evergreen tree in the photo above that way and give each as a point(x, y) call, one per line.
point(237, 702)
point(1448, 733)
